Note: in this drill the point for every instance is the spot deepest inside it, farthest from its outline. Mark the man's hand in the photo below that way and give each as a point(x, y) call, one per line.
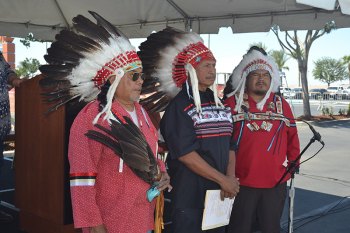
point(98, 229)
point(17, 82)
point(229, 187)
point(164, 182)
point(14, 81)
point(228, 183)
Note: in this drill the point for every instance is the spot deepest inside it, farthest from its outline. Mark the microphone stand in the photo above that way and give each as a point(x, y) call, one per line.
point(292, 168)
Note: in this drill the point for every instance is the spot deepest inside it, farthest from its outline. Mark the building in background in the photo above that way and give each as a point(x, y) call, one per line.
point(8, 50)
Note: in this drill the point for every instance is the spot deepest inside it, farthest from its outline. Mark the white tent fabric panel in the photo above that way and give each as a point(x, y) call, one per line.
point(327, 5)
point(138, 18)
point(345, 6)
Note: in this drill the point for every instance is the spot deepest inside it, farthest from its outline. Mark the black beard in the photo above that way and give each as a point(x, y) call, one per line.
point(260, 92)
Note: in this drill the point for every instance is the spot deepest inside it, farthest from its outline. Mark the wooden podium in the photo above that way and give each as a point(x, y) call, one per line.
point(41, 163)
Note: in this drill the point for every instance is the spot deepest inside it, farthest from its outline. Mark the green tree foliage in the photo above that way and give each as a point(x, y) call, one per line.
point(281, 58)
point(299, 49)
point(329, 70)
point(29, 38)
point(346, 61)
point(28, 67)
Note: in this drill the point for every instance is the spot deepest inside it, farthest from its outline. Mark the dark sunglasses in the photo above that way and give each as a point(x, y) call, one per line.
point(136, 76)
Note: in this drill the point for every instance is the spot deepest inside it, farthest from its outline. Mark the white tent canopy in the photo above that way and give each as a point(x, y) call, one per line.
point(328, 4)
point(138, 18)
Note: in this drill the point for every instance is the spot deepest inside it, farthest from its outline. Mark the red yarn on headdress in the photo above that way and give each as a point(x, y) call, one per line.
point(193, 54)
point(197, 53)
point(125, 60)
point(258, 63)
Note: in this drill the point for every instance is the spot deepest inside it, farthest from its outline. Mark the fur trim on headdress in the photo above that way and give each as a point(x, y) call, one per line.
point(80, 62)
point(169, 57)
point(253, 60)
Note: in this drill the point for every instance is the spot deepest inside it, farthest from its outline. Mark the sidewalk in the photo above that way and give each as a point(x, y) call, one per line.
point(322, 203)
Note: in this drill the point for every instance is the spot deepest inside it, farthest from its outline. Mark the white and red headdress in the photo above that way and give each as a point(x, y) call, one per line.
point(81, 61)
point(253, 60)
point(169, 58)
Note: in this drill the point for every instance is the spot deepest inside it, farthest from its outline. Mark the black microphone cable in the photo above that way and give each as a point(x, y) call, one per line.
point(317, 136)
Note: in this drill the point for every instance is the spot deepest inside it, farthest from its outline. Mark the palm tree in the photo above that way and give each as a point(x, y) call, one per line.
point(281, 58)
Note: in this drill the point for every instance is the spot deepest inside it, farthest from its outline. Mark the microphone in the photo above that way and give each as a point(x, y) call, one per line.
point(317, 135)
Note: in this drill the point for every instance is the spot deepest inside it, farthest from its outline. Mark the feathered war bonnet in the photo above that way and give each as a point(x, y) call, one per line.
point(169, 57)
point(254, 59)
point(81, 61)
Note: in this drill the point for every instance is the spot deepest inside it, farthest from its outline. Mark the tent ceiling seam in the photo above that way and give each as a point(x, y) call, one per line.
point(178, 9)
point(28, 24)
point(231, 16)
point(61, 12)
point(181, 12)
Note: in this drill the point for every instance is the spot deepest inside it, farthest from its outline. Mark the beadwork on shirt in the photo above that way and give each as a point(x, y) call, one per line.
point(274, 112)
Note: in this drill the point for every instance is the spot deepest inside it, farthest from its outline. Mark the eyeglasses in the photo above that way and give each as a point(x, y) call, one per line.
point(136, 76)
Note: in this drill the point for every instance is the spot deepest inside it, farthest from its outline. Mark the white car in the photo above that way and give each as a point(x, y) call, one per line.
point(286, 92)
point(347, 92)
point(336, 92)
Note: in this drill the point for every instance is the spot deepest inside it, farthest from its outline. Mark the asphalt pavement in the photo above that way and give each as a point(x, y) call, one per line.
point(322, 187)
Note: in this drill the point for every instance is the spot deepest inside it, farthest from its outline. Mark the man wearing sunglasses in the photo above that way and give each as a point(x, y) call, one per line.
point(109, 173)
point(129, 89)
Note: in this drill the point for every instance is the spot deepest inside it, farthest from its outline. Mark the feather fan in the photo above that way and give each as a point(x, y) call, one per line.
point(128, 142)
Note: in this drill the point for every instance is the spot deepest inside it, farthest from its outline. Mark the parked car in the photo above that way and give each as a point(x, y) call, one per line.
point(286, 92)
point(298, 92)
point(335, 92)
point(347, 92)
point(317, 93)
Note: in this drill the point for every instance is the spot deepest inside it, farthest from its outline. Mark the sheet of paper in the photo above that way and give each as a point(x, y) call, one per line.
point(216, 212)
